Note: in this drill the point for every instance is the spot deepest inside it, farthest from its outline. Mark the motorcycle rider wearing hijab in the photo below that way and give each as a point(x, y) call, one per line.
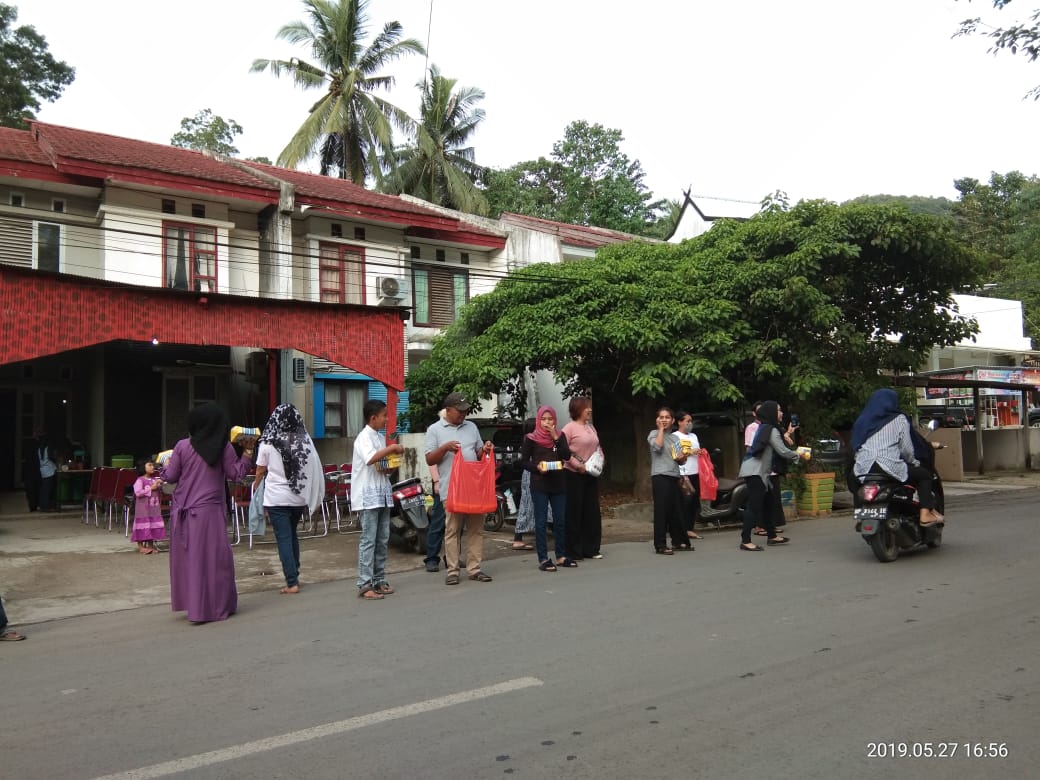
point(882, 443)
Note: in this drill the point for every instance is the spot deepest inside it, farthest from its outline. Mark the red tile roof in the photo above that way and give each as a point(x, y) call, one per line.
point(19, 145)
point(69, 152)
point(576, 235)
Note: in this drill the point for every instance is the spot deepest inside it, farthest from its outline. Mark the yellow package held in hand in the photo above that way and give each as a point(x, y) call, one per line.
point(238, 431)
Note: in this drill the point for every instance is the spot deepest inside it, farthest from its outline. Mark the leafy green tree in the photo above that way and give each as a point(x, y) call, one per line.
point(207, 131)
point(918, 204)
point(589, 181)
point(1018, 38)
point(1001, 221)
point(437, 165)
point(350, 126)
point(28, 71)
point(667, 222)
point(531, 188)
point(806, 304)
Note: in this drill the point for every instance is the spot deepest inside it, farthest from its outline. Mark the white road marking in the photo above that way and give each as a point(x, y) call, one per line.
point(317, 732)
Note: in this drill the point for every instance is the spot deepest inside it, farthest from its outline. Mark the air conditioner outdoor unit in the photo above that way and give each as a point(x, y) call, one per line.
point(391, 290)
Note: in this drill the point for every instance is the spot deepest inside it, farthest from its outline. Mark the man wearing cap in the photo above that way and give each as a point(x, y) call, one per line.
point(451, 435)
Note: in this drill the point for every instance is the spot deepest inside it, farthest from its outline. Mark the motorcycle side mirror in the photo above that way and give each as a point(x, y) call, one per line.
point(933, 424)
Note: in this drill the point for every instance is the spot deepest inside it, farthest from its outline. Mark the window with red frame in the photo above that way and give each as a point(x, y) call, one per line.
point(341, 271)
point(190, 257)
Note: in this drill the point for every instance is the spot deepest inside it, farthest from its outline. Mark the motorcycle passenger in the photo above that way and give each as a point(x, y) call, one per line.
point(882, 443)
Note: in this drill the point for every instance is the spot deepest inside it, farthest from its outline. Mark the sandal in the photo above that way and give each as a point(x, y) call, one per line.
point(384, 588)
point(370, 594)
point(451, 579)
point(521, 546)
point(760, 532)
point(11, 636)
point(664, 551)
point(567, 563)
point(547, 566)
point(694, 535)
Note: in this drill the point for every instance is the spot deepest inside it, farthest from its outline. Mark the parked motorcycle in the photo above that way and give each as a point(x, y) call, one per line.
point(508, 473)
point(887, 515)
point(729, 503)
point(409, 521)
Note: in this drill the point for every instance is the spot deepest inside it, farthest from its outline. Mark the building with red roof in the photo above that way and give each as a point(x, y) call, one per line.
point(142, 278)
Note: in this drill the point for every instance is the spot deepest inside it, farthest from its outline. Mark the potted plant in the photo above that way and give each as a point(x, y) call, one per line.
point(813, 485)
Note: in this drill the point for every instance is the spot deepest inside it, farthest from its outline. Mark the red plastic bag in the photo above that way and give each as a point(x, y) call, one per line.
point(471, 488)
point(706, 472)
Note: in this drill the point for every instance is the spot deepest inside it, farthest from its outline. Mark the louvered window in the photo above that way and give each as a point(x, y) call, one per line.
point(440, 293)
point(16, 242)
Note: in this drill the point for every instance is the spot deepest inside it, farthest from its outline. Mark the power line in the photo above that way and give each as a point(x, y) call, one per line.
point(148, 244)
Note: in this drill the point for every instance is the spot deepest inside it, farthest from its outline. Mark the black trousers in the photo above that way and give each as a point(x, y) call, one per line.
point(757, 510)
point(667, 511)
point(916, 475)
point(584, 521)
point(691, 505)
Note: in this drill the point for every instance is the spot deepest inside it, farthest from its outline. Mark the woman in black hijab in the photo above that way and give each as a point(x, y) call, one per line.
point(202, 567)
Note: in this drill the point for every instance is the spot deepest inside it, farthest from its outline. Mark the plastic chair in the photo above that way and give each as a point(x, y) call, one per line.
point(106, 487)
point(90, 498)
point(124, 480)
point(241, 496)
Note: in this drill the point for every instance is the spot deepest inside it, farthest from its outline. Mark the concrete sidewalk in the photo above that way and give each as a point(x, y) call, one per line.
point(52, 566)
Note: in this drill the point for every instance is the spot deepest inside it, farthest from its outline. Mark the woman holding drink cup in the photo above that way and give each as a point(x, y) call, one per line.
point(543, 454)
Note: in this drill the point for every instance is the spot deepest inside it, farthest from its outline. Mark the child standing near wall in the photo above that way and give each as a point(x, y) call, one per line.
point(148, 522)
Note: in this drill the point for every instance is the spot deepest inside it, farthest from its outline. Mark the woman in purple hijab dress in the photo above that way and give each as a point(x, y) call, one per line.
point(202, 567)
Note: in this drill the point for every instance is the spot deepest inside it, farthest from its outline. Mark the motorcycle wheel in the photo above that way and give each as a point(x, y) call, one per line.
point(420, 540)
point(935, 541)
point(883, 543)
point(493, 521)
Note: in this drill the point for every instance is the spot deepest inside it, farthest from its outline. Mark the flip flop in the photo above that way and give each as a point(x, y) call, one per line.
point(290, 591)
point(11, 636)
point(521, 547)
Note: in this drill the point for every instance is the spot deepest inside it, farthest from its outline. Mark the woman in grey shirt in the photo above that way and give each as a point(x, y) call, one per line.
point(664, 482)
point(756, 468)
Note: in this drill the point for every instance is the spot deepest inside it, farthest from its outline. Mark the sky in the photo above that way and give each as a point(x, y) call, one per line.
point(734, 99)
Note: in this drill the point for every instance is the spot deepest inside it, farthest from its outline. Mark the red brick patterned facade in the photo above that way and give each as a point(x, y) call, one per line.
point(43, 314)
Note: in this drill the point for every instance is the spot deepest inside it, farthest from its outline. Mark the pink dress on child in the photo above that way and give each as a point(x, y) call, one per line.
point(148, 522)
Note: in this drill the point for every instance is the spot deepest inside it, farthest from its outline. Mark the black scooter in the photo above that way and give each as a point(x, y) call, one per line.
point(728, 505)
point(409, 521)
point(887, 515)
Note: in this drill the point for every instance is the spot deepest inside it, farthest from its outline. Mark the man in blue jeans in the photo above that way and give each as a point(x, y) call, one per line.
point(371, 495)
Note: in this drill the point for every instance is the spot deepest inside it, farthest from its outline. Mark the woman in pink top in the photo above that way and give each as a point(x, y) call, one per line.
point(584, 523)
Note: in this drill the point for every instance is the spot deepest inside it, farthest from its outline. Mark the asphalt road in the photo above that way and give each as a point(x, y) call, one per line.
point(794, 662)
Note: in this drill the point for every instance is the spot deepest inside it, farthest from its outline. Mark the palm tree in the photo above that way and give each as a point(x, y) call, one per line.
point(437, 166)
point(349, 127)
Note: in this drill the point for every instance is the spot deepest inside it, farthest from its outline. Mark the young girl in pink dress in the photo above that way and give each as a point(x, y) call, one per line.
point(148, 522)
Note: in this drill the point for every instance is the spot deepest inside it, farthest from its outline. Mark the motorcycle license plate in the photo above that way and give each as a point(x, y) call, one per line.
point(870, 513)
point(411, 501)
